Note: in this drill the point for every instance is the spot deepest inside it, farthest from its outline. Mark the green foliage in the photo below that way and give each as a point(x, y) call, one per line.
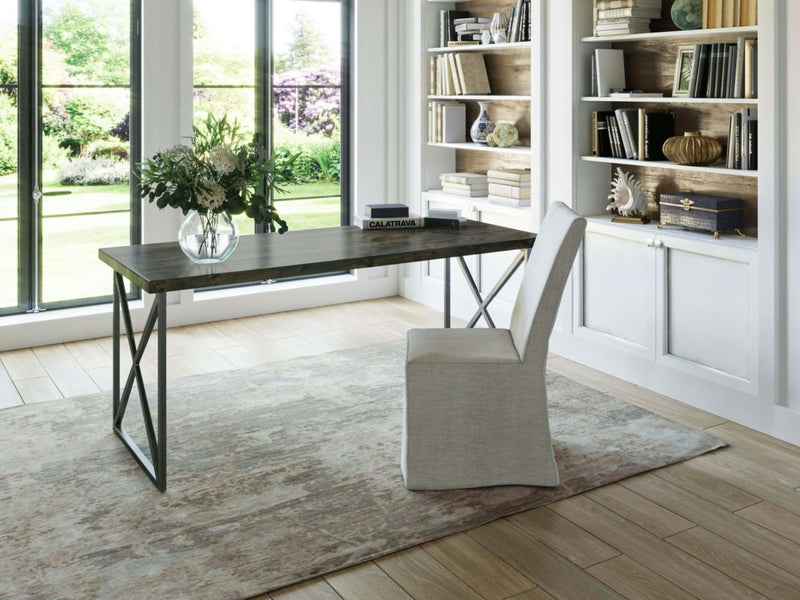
point(94, 171)
point(93, 39)
point(8, 135)
point(317, 157)
point(307, 48)
point(78, 118)
point(327, 157)
point(221, 173)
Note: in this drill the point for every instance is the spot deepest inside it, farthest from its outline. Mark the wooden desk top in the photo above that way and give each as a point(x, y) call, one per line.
point(164, 268)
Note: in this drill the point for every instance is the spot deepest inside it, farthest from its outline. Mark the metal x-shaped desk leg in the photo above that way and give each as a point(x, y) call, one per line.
point(483, 304)
point(156, 468)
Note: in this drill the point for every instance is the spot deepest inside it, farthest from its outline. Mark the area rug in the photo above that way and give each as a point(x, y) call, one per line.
point(276, 475)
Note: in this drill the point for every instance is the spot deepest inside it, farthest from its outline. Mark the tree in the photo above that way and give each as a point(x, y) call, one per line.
point(93, 40)
point(307, 48)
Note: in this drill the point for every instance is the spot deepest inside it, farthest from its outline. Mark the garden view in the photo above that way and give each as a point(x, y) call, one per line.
point(84, 154)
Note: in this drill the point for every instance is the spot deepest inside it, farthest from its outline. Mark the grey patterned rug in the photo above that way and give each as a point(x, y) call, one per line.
point(276, 474)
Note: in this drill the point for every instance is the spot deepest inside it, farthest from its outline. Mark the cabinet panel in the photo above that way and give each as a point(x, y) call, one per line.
point(708, 311)
point(617, 287)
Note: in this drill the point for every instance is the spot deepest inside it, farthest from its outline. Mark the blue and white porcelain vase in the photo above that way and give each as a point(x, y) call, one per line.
point(687, 14)
point(482, 126)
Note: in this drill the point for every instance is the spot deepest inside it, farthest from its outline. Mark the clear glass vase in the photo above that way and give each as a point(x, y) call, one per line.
point(208, 237)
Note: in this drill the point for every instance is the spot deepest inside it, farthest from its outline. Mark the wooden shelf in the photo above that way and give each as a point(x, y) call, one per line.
point(683, 34)
point(664, 164)
point(674, 100)
point(482, 48)
point(483, 97)
point(525, 150)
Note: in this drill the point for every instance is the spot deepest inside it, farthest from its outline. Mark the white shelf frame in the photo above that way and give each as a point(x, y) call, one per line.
point(665, 164)
point(673, 100)
point(483, 48)
point(483, 97)
point(683, 34)
point(526, 150)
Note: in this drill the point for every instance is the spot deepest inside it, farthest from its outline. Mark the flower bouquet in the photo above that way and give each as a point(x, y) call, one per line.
point(220, 175)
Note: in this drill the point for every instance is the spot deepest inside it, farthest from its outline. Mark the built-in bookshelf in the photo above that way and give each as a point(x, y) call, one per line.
point(671, 309)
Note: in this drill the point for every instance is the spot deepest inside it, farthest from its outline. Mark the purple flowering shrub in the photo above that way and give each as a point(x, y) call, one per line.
point(308, 100)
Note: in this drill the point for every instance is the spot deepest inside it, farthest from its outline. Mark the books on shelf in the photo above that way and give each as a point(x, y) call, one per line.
point(514, 175)
point(409, 222)
point(519, 23)
point(742, 152)
point(623, 17)
point(467, 191)
point(725, 70)
point(446, 122)
point(510, 191)
point(447, 25)
point(609, 70)
point(463, 178)
point(636, 94)
point(458, 73)
point(729, 13)
point(634, 133)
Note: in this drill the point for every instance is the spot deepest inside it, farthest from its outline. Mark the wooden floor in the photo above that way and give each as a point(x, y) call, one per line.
point(723, 526)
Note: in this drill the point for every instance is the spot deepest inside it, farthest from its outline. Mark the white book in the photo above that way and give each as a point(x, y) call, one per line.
point(610, 63)
point(466, 186)
point(509, 182)
point(462, 192)
point(409, 222)
point(454, 123)
point(509, 191)
point(504, 201)
point(462, 177)
point(510, 174)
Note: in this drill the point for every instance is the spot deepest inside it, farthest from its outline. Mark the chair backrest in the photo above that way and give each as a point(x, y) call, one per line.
point(535, 309)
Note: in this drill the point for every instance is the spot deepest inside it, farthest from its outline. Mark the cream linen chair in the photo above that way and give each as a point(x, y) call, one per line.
point(475, 411)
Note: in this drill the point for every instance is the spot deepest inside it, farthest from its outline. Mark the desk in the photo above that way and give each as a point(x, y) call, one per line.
point(162, 268)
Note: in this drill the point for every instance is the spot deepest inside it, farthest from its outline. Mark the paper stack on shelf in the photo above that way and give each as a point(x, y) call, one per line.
point(472, 185)
point(622, 17)
point(509, 187)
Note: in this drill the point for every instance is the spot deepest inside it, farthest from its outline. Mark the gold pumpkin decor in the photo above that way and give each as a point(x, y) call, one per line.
point(691, 148)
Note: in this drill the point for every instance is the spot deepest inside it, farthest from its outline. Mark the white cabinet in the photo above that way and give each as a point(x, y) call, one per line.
point(670, 299)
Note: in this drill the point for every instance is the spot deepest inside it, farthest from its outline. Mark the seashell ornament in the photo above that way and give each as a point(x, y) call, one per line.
point(627, 196)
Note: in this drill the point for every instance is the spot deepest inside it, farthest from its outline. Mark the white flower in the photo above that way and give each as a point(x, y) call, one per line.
point(222, 159)
point(211, 195)
point(181, 153)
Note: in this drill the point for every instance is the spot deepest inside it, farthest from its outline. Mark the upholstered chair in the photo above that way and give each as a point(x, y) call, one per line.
point(475, 411)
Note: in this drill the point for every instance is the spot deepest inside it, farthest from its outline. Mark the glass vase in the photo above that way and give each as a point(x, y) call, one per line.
point(208, 237)
point(482, 126)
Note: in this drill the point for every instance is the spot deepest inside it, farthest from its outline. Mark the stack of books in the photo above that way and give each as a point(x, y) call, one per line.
point(509, 187)
point(472, 185)
point(622, 17)
point(725, 70)
point(387, 216)
point(729, 13)
point(470, 29)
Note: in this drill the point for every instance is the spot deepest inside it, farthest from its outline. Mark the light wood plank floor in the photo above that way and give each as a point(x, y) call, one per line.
point(721, 526)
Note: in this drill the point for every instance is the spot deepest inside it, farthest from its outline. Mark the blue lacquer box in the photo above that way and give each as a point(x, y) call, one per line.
point(699, 211)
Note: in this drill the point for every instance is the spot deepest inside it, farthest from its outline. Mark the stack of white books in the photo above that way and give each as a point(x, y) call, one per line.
point(472, 185)
point(509, 187)
point(622, 17)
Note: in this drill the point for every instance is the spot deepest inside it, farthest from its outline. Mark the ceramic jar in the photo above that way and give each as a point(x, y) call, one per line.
point(482, 126)
point(692, 149)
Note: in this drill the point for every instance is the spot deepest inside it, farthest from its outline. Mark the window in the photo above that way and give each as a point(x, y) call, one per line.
point(283, 79)
point(69, 94)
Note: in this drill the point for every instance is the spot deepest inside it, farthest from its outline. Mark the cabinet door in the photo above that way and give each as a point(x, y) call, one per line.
point(617, 283)
point(707, 297)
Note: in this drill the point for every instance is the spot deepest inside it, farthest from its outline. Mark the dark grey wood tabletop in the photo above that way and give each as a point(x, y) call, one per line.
point(164, 268)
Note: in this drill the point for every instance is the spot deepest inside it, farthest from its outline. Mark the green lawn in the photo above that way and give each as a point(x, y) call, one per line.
point(70, 265)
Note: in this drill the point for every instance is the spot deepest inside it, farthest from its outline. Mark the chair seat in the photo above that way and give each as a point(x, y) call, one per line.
point(451, 346)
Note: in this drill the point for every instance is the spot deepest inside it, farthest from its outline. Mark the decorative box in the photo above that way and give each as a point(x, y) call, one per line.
point(699, 211)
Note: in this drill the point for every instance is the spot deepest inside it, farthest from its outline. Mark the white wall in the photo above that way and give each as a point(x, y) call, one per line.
point(167, 120)
point(792, 188)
